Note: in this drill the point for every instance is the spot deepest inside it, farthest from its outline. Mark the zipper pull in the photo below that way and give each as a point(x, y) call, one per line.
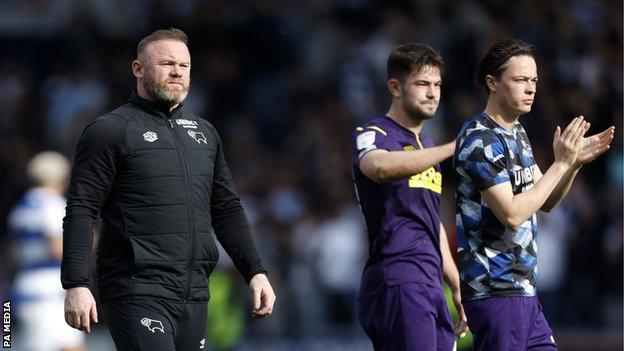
point(170, 122)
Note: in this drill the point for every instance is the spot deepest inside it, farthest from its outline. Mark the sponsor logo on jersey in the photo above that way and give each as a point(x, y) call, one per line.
point(150, 137)
point(152, 325)
point(524, 178)
point(186, 123)
point(427, 179)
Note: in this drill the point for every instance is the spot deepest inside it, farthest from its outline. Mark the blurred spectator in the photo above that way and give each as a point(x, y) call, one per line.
point(555, 232)
point(330, 247)
point(36, 223)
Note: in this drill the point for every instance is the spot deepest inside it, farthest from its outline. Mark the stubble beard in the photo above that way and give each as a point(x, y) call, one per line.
point(415, 112)
point(160, 93)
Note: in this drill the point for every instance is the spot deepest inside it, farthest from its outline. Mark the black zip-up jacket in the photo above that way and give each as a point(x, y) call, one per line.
point(163, 189)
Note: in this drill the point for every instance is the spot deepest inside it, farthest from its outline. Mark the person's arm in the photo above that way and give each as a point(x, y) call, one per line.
point(92, 176)
point(560, 190)
point(55, 247)
point(233, 232)
point(593, 147)
point(451, 277)
point(52, 218)
point(383, 166)
point(513, 210)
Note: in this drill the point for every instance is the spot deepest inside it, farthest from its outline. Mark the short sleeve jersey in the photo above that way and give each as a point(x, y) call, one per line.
point(493, 260)
point(402, 216)
point(35, 218)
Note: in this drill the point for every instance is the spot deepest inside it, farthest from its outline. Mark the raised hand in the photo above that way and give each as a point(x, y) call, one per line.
point(595, 145)
point(568, 144)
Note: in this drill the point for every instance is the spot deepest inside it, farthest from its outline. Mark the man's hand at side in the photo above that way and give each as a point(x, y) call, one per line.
point(80, 308)
point(461, 327)
point(262, 295)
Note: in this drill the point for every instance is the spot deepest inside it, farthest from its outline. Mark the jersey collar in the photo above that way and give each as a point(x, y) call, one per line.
point(154, 106)
point(403, 129)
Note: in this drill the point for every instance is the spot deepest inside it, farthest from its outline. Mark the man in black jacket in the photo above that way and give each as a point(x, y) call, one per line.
point(157, 176)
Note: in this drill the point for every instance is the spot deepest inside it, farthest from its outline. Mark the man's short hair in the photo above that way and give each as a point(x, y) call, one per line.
point(494, 60)
point(161, 34)
point(412, 57)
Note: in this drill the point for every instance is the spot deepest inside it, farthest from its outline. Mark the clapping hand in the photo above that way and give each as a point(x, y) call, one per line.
point(594, 146)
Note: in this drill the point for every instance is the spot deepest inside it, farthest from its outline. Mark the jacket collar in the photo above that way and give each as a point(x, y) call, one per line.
point(153, 106)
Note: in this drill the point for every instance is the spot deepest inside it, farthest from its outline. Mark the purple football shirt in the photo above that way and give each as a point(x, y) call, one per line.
point(402, 217)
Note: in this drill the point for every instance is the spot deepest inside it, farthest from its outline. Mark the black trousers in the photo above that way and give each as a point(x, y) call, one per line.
point(148, 324)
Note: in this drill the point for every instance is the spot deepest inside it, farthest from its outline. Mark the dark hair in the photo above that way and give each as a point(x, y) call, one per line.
point(162, 34)
point(493, 61)
point(410, 57)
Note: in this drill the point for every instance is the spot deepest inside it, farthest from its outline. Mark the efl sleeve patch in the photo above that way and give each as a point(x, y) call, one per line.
point(365, 140)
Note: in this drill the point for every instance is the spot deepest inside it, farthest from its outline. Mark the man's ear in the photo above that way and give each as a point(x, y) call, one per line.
point(394, 86)
point(491, 81)
point(137, 68)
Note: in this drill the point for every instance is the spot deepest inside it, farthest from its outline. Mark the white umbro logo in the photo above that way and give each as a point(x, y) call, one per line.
point(150, 136)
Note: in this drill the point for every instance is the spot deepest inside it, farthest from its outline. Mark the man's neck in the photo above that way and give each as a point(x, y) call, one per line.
point(499, 115)
point(142, 93)
point(56, 188)
point(399, 115)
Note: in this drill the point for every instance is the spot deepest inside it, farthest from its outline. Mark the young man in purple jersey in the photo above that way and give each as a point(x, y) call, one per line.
point(500, 189)
point(398, 183)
